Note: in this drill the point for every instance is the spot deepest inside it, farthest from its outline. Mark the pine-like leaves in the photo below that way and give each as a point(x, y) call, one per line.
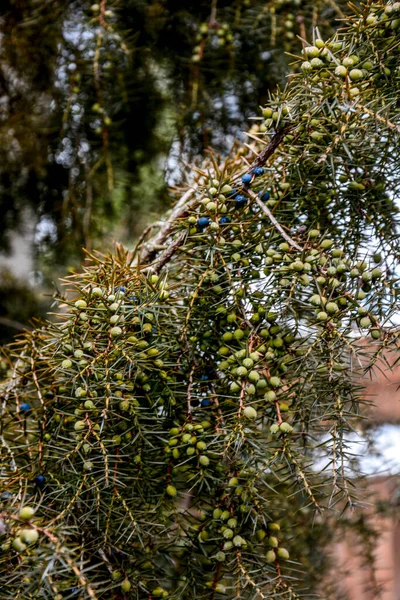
point(180, 427)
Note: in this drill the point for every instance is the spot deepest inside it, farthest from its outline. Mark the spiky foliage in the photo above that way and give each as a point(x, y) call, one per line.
point(106, 80)
point(163, 439)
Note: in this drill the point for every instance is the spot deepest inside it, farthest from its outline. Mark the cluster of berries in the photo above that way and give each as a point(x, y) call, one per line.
point(240, 198)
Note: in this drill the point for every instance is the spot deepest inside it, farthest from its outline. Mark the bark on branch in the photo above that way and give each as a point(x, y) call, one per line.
point(152, 247)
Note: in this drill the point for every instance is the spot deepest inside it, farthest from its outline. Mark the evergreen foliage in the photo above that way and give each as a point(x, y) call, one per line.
point(162, 438)
point(94, 98)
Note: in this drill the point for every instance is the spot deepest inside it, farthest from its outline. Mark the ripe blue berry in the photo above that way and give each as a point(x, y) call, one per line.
point(224, 220)
point(72, 592)
point(258, 171)
point(203, 222)
point(240, 201)
point(232, 194)
point(121, 288)
point(246, 179)
point(25, 407)
point(265, 196)
point(204, 378)
point(205, 402)
point(40, 480)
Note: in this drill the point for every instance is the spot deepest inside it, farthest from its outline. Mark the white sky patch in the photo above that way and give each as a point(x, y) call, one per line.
point(381, 459)
point(385, 458)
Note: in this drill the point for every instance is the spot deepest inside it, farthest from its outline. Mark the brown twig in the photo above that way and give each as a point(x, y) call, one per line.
point(156, 266)
point(213, 15)
point(303, 33)
point(150, 250)
point(270, 148)
point(14, 324)
point(278, 412)
point(271, 217)
point(241, 398)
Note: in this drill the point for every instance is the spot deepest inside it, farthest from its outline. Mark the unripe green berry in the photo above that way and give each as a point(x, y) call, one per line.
point(238, 541)
point(26, 513)
point(228, 534)
point(232, 523)
point(366, 276)
point(18, 545)
point(306, 66)
point(253, 376)
point(331, 307)
point(285, 428)
point(260, 535)
point(250, 413)
point(297, 265)
point(126, 585)
point(171, 490)
point(115, 331)
point(376, 273)
point(248, 363)
point(270, 396)
point(283, 554)
point(81, 304)
point(377, 257)
point(311, 51)
point(274, 382)
point(204, 535)
point(340, 71)
point(204, 461)
point(317, 63)
point(270, 556)
point(348, 61)
point(273, 541)
point(29, 536)
point(316, 300)
point(365, 322)
point(356, 74)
